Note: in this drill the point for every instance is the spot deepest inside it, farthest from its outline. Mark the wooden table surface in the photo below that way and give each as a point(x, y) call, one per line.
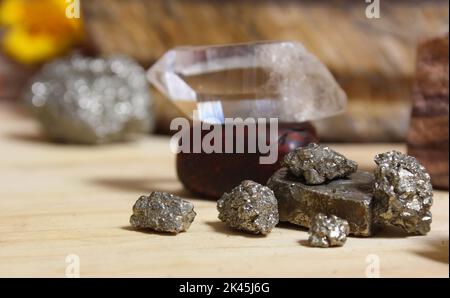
point(60, 200)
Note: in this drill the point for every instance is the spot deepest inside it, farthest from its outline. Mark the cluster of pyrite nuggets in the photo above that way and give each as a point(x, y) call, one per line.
point(91, 100)
point(318, 180)
point(319, 189)
point(319, 185)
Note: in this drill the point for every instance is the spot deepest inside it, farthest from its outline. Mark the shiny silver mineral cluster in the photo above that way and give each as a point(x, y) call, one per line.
point(91, 101)
point(250, 207)
point(162, 212)
point(318, 164)
point(318, 182)
point(328, 231)
point(403, 192)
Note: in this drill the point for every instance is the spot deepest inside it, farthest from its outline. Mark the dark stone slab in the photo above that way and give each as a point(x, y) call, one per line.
point(350, 199)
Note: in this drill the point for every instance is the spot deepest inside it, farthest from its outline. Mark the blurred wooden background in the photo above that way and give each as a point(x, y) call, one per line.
point(373, 59)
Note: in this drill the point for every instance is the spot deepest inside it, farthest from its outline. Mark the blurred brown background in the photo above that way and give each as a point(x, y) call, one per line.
point(373, 59)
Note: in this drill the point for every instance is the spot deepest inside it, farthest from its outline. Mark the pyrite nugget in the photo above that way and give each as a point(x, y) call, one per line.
point(403, 192)
point(250, 207)
point(350, 199)
point(91, 101)
point(327, 231)
point(162, 212)
point(317, 164)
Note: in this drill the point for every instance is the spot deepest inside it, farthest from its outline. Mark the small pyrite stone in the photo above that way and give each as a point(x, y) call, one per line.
point(328, 231)
point(162, 212)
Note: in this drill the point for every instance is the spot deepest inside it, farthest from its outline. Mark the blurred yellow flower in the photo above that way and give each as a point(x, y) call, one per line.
point(37, 31)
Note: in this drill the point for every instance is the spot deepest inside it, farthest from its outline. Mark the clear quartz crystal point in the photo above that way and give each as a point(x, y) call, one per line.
point(259, 80)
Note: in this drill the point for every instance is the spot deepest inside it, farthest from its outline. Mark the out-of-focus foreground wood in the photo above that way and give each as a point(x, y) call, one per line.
point(373, 59)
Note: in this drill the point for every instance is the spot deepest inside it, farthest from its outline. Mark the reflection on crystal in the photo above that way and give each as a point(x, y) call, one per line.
point(265, 79)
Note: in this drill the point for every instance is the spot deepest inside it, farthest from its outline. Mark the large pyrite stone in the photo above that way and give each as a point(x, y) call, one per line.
point(403, 192)
point(350, 199)
point(249, 207)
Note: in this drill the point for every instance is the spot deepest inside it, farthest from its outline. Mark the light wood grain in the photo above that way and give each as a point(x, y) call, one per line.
point(57, 200)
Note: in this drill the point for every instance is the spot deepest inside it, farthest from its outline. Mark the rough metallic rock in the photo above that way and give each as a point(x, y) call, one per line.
point(90, 101)
point(350, 199)
point(403, 192)
point(318, 164)
point(250, 207)
point(162, 212)
point(327, 231)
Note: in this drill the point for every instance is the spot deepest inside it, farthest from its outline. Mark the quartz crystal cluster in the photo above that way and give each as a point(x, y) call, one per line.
point(261, 79)
point(162, 212)
point(318, 164)
point(250, 207)
point(403, 192)
point(328, 231)
point(90, 101)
